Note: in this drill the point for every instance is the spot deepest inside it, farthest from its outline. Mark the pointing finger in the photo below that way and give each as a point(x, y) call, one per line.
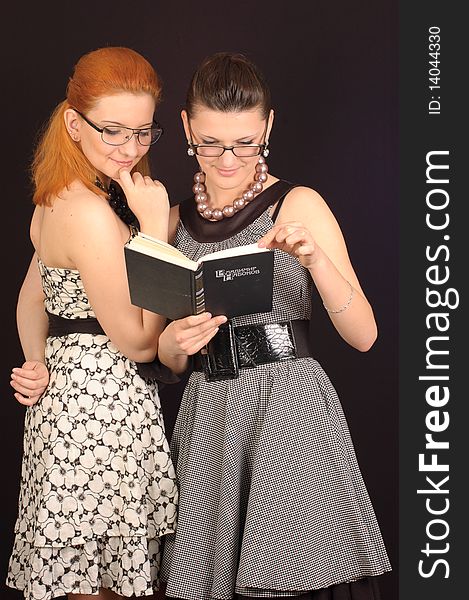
point(267, 238)
point(125, 180)
point(137, 178)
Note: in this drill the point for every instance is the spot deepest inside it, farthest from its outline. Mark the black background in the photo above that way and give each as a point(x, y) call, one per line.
point(333, 73)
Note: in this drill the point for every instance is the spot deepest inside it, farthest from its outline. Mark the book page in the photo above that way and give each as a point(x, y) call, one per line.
point(239, 251)
point(162, 250)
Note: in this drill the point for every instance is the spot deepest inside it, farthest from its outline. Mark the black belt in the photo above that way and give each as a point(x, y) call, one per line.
point(59, 326)
point(248, 346)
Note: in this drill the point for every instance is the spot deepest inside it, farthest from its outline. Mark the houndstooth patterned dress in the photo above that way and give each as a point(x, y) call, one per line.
point(272, 501)
point(97, 485)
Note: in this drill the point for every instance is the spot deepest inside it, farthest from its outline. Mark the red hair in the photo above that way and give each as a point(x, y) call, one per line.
point(58, 161)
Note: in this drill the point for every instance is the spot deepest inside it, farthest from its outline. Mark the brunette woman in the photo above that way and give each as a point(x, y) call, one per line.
point(272, 501)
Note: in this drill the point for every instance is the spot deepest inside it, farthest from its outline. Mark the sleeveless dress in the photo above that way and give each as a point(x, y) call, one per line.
point(98, 485)
point(272, 501)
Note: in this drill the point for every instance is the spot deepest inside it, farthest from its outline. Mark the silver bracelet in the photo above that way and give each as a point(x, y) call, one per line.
point(345, 306)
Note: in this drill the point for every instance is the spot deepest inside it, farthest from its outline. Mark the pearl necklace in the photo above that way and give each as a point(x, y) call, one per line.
point(215, 214)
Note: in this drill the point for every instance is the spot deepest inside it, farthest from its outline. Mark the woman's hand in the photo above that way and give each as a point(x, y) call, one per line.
point(30, 381)
point(185, 337)
point(294, 238)
point(148, 200)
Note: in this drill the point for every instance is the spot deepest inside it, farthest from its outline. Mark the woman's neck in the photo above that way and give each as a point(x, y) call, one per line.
point(104, 179)
point(222, 196)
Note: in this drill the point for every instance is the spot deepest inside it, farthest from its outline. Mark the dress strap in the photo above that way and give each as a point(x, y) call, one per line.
point(277, 209)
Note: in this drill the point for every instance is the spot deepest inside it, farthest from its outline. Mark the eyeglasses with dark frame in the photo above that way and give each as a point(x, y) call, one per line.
point(117, 135)
point(216, 150)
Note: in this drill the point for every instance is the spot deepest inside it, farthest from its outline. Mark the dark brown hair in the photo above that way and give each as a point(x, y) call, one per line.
point(228, 81)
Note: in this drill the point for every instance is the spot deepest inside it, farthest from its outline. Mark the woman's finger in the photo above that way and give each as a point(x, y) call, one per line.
point(305, 250)
point(27, 390)
point(207, 325)
point(26, 400)
point(200, 343)
point(29, 382)
point(189, 338)
point(296, 237)
point(31, 374)
point(276, 229)
point(193, 320)
point(266, 240)
point(197, 320)
point(125, 180)
point(137, 178)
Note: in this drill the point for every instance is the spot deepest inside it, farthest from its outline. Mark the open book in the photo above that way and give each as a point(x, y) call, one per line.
point(231, 282)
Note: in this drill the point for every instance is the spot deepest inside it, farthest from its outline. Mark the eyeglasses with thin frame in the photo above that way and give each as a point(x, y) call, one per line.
point(117, 135)
point(216, 150)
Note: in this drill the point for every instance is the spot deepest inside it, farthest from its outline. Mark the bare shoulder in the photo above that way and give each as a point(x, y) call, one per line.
point(75, 211)
point(303, 204)
point(306, 206)
point(79, 196)
point(78, 206)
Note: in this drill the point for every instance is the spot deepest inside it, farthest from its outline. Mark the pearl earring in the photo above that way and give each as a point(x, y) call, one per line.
point(190, 151)
point(266, 151)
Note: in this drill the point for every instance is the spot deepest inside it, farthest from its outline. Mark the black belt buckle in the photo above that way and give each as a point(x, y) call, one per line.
point(219, 357)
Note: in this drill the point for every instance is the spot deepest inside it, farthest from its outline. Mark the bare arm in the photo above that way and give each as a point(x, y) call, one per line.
point(30, 315)
point(95, 246)
point(173, 223)
point(93, 241)
point(30, 381)
point(307, 229)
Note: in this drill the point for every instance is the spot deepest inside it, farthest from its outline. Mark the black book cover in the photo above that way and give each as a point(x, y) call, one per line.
point(231, 286)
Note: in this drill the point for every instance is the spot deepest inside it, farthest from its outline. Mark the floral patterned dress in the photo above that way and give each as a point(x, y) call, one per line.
point(98, 485)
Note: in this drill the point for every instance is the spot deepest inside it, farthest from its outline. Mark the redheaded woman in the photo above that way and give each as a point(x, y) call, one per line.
point(98, 485)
